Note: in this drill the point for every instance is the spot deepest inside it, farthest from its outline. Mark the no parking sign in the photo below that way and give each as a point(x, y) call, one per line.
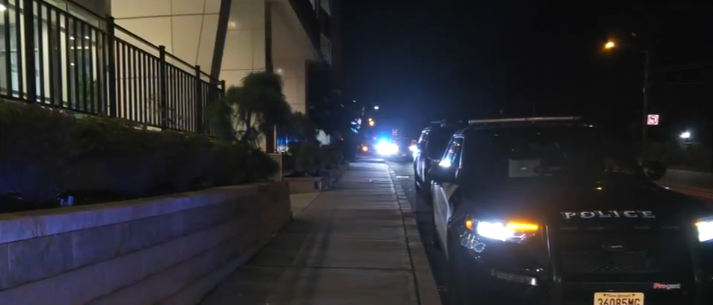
point(652, 119)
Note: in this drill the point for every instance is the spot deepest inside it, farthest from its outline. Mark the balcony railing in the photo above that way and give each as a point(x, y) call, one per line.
point(57, 59)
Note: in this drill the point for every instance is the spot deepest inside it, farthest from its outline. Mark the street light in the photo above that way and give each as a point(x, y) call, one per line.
point(685, 135)
point(371, 123)
point(647, 83)
point(376, 107)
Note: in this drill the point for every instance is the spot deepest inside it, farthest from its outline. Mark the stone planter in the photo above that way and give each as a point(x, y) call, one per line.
point(301, 185)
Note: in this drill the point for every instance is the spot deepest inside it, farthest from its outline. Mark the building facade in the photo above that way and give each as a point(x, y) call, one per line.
point(158, 62)
point(254, 35)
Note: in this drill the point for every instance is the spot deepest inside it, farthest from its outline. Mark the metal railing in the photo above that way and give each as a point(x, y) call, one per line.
point(86, 64)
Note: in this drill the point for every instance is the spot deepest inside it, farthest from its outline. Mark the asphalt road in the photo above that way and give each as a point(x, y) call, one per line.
point(404, 173)
point(688, 179)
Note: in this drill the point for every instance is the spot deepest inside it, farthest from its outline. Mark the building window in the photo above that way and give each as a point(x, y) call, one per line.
point(325, 47)
point(67, 56)
point(326, 6)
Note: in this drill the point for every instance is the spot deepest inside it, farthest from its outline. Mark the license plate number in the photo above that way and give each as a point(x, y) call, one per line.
point(618, 298)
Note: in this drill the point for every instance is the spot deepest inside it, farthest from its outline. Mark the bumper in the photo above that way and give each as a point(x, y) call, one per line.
point(533, 274)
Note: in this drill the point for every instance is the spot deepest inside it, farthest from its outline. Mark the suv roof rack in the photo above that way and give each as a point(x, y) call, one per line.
point(518, 120)
point(444, 122)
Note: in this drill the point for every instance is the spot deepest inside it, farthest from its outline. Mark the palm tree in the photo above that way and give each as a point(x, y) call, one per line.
point(252, 109)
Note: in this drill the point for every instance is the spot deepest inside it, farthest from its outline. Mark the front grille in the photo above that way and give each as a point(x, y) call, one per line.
point(631, 251)
point(602, 262)
point(618, 256)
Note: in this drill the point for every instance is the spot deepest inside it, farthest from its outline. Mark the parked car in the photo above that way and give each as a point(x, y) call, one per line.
point(429, 150)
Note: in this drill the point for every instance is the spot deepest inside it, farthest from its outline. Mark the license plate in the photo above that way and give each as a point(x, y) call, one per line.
point(618, 298)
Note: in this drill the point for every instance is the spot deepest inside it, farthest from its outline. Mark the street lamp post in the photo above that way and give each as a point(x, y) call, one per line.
point(647, 85)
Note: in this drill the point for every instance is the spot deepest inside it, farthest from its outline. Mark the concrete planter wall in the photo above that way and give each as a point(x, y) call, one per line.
point(301, 185)
point(166, 250)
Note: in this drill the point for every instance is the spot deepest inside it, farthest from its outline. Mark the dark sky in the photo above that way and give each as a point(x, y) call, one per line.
point(426, 60)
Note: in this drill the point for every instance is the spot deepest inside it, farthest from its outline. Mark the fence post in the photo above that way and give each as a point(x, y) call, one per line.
point(200, 121)
point(163, 98)
point(111, 76)
point(31, 71)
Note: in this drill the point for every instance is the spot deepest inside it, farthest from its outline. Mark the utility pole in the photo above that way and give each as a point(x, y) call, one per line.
point(646, 89)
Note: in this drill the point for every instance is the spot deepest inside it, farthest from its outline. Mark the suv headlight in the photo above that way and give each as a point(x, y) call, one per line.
point(515, 231)
point(705, 229)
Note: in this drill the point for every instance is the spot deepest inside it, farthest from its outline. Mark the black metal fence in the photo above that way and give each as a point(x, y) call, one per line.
point(84, 63)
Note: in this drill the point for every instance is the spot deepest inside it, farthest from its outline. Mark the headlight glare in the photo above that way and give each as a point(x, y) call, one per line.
point(506, 231)
point(705, 229)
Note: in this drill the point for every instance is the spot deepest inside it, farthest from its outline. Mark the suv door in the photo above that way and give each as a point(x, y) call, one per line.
point(421, 156)
point(441, 190)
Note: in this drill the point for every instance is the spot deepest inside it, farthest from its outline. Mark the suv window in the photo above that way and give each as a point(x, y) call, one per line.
point(527, 152)
point(452, 153)
point(424, 136)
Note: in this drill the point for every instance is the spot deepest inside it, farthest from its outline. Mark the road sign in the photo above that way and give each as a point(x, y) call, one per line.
point(652, 119)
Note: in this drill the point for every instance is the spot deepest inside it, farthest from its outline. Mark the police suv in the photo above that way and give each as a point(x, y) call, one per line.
point(429, 149)
point(551, 211)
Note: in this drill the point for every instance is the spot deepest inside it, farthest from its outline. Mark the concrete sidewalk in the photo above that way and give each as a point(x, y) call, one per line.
point(355, 244)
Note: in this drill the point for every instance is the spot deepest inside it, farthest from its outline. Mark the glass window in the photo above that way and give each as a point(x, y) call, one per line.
point(518, 153)
point(326, 6)
point(451, 157)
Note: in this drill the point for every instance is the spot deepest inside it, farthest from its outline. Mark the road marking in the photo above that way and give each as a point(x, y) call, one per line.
point(696, 192)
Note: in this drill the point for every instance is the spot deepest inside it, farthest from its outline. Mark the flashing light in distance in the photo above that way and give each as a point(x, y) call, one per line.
point(364, 148)
point(386, 148)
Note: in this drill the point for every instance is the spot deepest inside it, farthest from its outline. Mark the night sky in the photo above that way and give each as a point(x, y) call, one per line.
point(426, 60)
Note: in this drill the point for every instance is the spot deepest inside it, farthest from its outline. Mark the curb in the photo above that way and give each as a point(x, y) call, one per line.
point(426, 288)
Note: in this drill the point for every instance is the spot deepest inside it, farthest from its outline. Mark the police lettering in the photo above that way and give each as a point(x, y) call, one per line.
point(608, 214)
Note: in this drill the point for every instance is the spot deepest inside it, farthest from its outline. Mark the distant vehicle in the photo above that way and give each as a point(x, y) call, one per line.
point(429, 150)
point(550, 211)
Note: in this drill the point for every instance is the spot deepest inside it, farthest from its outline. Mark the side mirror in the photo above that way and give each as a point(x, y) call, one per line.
point(654, 169)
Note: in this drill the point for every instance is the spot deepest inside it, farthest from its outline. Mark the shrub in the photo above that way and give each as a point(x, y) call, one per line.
point(330, 154)
point(44, 152)
point(117, 158)
point(260, 166)
point(305, 157)
point(232, 169)
point(36, 148)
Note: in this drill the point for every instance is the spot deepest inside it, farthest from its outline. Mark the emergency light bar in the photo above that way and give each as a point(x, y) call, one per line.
point(518, 120)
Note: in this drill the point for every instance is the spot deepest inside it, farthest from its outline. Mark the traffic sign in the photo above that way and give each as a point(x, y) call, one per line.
point(652, 119)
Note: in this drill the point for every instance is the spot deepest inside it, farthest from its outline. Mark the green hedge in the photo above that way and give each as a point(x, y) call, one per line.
point(44, 152)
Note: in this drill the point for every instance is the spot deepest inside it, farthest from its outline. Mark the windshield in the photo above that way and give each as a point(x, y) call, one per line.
point(537, 153)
